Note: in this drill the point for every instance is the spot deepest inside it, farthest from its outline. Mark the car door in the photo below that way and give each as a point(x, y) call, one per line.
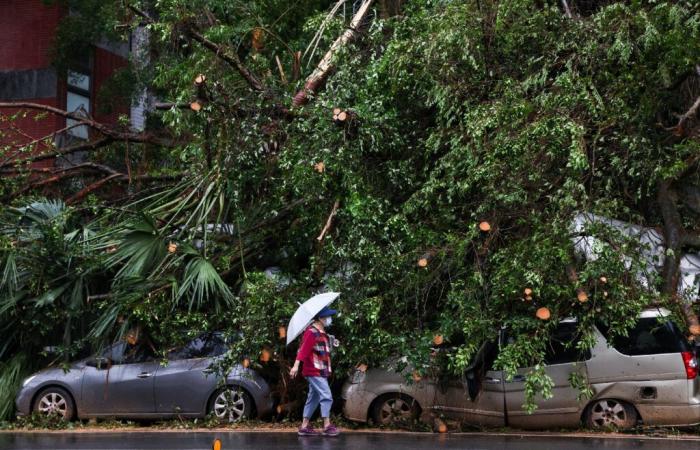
point(477, 398)
point(124, 388)
point(563, 360)
point(184, 385)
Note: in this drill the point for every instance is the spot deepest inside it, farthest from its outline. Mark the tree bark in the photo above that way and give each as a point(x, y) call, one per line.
point(674, 236)
point(319, 76)
point(680, 129)
point(329, 221)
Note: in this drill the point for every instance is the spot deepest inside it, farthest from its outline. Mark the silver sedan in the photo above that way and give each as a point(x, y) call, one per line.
point(127, 381)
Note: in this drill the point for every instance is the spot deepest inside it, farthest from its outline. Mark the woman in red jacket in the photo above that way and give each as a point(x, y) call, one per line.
point(315, 356)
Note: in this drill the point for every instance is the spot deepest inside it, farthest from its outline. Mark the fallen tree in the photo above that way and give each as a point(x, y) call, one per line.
point(483, 130)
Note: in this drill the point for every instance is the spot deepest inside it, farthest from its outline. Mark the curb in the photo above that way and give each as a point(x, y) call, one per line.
point(514, 434)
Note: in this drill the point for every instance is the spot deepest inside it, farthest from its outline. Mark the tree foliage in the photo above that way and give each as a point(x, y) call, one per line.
point(507, 112)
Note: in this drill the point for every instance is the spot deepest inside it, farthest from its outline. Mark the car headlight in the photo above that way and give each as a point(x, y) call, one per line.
point(28, 380)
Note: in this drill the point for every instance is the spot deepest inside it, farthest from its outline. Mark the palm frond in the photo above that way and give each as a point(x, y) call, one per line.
point(43, 211)
point(139, 249)
point(10, 275)
point(50, 296)
point(11, 374)
point(9, 302)
point(202, 284)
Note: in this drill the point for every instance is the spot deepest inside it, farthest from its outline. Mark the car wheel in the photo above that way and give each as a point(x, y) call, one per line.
point(610, 413)
point(395, 409)
point(231, 404)
point(55, 401)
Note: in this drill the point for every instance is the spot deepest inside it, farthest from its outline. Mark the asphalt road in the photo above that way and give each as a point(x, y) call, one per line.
point(352, 441)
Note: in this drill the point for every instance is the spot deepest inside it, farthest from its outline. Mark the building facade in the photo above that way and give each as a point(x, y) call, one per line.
point(26, 75)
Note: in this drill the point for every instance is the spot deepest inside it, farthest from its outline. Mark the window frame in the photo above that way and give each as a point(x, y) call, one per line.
point(83, 69)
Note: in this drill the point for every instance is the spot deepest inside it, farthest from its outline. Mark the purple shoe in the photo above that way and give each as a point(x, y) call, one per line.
point(331, 430)
point(308, 431)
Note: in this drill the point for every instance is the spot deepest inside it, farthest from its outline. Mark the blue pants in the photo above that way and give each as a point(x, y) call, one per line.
point(319, 393)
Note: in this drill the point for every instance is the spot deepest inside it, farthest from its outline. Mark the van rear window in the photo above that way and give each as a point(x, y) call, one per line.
point(650, 336)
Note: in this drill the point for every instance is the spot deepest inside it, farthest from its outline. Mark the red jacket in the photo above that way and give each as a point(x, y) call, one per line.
point(315, 353)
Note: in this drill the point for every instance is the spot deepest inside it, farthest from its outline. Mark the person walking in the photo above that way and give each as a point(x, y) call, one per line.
point(315, 357)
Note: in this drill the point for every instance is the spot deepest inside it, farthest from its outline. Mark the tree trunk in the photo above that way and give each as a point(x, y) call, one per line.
point(674, 236)
point(316, 80)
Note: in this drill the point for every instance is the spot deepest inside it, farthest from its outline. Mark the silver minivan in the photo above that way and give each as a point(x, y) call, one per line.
point(648, 377)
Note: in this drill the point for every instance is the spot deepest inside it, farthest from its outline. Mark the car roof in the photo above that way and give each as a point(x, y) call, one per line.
point(645, 314)
point(654, 312)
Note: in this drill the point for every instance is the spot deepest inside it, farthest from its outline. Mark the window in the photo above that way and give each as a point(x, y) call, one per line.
point(650, 336)
point(203, 346)
point(115, 353)
point(125, 353)
point(78, 98)
point(563, 345)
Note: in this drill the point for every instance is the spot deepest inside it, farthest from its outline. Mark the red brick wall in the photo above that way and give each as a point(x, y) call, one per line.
point(106, 63)
point(27, 28)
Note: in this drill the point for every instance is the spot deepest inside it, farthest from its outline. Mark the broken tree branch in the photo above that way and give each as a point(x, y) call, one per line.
point(329, 221)
point(326, 66)
point(141, 13)
point(170, 105)
point(680, 128)
point(567, 10)
point(83, 146)
point(221, 51)
point(572, 275)
point(424, 260)
point(120, 134)
point(90, 188)
point(229, 56)
point(89, 168)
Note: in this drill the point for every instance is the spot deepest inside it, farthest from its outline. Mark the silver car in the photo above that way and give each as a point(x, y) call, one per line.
point(649, 377)
point(127, 381)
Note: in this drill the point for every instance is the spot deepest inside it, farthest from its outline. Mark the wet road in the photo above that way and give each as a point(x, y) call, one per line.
point(352, 441)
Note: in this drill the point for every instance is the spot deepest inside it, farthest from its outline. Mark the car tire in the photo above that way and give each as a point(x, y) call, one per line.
point(55, 400)
point(394, 409)
point(231, 404)
point(610, 413)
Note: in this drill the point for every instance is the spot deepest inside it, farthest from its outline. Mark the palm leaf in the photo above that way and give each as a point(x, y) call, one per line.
point(43, 211)
point(202, 283)
point(50, 295)
point(11, 374)
point(140, 248)
point(10, 277)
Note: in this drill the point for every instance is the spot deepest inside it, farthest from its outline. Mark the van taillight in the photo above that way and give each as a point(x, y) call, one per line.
point(691, 364)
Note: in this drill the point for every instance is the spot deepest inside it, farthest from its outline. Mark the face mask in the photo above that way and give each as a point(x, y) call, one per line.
point(327, 321)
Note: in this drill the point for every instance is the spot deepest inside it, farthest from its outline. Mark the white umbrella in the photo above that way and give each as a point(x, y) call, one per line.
point(306, 312)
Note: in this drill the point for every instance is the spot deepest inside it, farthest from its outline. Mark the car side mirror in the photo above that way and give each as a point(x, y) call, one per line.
point(99, 363)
